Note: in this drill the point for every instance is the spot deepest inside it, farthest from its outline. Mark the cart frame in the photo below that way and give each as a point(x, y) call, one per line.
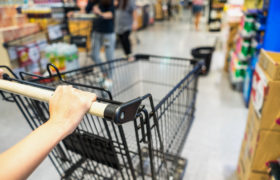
point(136, 138)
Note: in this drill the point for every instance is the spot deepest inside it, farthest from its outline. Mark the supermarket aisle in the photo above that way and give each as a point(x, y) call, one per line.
point(212, 147)
point(213, 144)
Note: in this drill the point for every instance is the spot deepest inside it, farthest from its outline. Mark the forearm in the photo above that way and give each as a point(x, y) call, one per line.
point(107, 15)
point(22, 159)
point(134, 24)
point(134, 15)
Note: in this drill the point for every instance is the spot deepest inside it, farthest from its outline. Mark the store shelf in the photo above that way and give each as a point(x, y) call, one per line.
point(51, 5)
point(215, 30)
point(215, 19)
point(217, 8)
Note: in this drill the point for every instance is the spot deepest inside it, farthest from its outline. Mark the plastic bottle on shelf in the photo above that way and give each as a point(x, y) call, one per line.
point(51, 55)
point(64, 56)
point(71, 57)
point(61, 57)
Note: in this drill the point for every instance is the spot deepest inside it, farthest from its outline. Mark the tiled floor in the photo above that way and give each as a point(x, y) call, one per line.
point(212, 146)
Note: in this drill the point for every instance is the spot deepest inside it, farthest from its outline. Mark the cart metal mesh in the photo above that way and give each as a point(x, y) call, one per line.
point(147, 147)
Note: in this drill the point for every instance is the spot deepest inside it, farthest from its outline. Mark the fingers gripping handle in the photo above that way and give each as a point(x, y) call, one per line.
point(96, 109)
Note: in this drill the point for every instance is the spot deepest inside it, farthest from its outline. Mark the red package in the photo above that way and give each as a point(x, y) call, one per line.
point(23, 58)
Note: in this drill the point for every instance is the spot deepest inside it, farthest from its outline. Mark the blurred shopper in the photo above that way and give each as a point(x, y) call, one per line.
point(103, 31)
point(197, 7)
point(169, 9)
point(126, 22)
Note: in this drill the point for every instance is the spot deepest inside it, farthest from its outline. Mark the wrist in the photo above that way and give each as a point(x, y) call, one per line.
point(58, 131)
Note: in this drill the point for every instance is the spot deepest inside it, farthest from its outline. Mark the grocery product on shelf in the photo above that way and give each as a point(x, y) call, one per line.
point(63, 55)
point(258, 30)
point(26, 53)
point(13, 2)
point(232, 16)
point(253, 4)
point(243, 57)
point(44, 16)
point(257, 39)
point(46, 1)
point(14, 26)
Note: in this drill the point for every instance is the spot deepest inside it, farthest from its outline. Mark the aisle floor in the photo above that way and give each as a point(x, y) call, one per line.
point(212, 147)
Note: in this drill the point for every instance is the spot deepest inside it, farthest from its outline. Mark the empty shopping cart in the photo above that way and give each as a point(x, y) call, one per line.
point(149, 109)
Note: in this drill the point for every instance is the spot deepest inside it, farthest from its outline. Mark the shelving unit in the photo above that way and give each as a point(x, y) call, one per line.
point(249, 40)
point(216, 8)
point(246, 49)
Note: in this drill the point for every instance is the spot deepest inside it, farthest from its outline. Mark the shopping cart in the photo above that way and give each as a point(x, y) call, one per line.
point(128, 137)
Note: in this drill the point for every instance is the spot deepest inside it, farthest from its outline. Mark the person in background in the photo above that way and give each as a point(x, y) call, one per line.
point(197, 7)
point(126, 22)
point(67, 107)
point(169, 9)
point(103, 32)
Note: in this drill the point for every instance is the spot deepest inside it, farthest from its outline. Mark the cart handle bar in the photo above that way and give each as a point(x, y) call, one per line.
point(117, 113)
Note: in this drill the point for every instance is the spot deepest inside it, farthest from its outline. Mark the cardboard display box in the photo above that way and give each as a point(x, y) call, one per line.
point(244, 164)
point(261, 139)
point(270, 62)
point(267, 149)
point(258, 147)
point(244, 171)
point(257, 176)
point(266, 99)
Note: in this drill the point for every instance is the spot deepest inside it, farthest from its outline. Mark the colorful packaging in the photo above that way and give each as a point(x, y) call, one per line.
point(22, 53)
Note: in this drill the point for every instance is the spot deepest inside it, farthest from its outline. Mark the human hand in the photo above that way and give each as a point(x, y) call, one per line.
point(70, 14)
point(96, 10)
point(67, 107)
point(134, 26)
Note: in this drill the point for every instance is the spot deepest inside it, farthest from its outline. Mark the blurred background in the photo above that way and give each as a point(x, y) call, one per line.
point(235, 133)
